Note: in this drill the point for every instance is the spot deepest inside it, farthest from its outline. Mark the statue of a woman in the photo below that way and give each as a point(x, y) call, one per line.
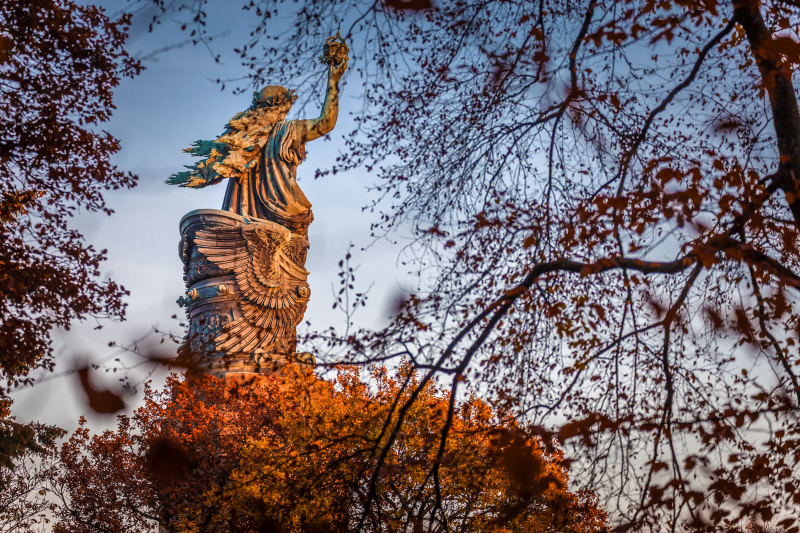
point(244, 266)
point(260, 151)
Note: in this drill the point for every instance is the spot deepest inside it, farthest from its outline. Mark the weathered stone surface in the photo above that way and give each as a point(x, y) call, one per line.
point(245, 293)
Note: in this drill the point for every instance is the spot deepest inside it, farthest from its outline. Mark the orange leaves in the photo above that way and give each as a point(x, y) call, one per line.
point(6, 48)
point(529, 241)
point(669, 194)
point(665, 175)
point(125, 477)
point(554, 310)
point(16, 204)
point(523, 462)
point(205, 455)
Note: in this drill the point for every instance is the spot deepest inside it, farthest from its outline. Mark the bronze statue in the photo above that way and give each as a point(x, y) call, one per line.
point(244, 264)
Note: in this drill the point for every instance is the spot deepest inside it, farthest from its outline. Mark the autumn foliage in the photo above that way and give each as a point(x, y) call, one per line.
point(604, 202)
point(291, 454)
point(59, 65)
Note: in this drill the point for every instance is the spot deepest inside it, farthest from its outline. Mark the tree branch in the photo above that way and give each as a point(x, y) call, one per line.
point(776, 75)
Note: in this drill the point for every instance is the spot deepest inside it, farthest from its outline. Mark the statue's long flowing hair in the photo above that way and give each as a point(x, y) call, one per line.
point(237, 149)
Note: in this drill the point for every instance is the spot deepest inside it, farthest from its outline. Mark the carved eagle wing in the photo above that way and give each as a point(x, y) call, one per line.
point(273, 287)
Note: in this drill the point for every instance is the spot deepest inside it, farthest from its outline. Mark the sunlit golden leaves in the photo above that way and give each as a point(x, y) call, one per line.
point(296, 454)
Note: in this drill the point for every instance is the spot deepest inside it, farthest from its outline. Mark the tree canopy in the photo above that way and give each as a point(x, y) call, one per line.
point(293, 454)
point(605, 199)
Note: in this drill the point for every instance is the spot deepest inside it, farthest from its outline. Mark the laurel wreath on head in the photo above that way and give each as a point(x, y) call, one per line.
point(279, 100)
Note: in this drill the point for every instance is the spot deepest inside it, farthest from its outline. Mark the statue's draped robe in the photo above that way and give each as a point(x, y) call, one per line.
point(269, 190)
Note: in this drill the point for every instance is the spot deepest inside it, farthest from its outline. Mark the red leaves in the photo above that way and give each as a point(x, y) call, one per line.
point(6, 49)
point(59, 65)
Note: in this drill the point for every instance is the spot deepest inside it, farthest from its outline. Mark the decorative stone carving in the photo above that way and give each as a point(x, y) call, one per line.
point(244, 265)
point(203, 332)
point(270, 283)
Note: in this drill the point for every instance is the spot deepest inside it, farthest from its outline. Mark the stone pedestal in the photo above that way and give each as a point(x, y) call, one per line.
point(213, 299)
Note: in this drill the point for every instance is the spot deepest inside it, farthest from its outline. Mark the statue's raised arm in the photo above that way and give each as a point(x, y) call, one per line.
point(316, 128)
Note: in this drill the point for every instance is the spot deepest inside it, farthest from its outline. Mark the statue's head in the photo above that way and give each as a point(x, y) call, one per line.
point(274, 98)
point(270, 106)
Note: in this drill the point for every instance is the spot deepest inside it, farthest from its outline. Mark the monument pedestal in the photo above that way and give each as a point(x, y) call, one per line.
point(217, 306)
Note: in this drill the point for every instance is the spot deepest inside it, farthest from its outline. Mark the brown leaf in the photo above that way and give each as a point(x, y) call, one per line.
point(101, 401)
point(717, 323)
point(6, 48)
point(409, 5)
point(658, 307)
point(166, 459)
point(725, 125)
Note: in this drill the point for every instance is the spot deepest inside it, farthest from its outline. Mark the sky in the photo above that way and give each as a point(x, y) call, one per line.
point(174, 102)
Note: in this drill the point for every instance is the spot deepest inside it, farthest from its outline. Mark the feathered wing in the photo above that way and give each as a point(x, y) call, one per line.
point(230, 155)
point(269, 281)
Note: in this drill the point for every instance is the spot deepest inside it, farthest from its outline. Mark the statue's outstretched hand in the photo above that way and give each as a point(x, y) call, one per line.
point(335, 72)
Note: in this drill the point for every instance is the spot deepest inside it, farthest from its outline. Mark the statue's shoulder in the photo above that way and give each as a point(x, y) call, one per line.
point(292, 129)
point(294, 124)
